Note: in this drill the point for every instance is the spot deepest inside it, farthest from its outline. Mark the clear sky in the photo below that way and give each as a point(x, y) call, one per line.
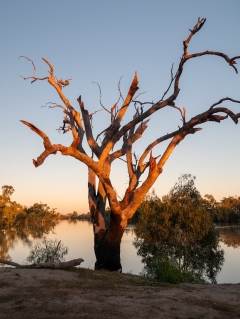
point(101, 41)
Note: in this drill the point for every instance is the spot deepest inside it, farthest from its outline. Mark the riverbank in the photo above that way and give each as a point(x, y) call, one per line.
point(83, 293)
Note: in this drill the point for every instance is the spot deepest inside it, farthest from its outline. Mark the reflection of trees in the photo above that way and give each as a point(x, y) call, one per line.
point(34, 229)
point(18, 222)
point(230, 236)
point(72, 221)
point(129, 230)
point(7, 241)
point(24, 232)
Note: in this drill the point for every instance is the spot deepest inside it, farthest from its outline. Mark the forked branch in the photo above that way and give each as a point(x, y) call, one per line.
point(50, 148)
point(34, 71)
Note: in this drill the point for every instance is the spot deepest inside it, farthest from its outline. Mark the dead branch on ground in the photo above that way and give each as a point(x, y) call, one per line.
point(54, 265)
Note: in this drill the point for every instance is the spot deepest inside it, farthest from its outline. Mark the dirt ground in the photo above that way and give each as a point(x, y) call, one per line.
point(83, 293)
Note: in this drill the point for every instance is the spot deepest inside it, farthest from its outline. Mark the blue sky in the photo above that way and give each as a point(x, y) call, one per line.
point(101, 41)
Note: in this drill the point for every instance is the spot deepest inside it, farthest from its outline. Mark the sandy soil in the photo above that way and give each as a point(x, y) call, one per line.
point(82, 293)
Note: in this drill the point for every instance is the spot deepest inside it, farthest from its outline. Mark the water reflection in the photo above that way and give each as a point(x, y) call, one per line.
point(15, 244)
point(229, 235)
point(130, 230)
point(7, 241)
point(24, 232)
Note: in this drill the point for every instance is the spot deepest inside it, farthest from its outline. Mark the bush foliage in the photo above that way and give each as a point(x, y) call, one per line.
point(46, 251)
point(176, 237)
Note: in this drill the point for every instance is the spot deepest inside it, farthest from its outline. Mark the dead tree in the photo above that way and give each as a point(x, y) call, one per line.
point(107, 240)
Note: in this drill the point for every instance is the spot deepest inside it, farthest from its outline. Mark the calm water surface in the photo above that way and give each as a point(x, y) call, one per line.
point(78, 237)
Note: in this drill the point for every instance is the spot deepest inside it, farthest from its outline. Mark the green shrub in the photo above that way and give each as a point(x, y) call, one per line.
point(163, 269)
point(176, 237)
point(46, 251)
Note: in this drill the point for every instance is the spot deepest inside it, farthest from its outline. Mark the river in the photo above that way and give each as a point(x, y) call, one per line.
point(78, 237)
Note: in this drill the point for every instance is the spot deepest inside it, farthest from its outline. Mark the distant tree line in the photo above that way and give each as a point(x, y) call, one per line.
point(14, 215)
point(74, 216)
point(226, 210)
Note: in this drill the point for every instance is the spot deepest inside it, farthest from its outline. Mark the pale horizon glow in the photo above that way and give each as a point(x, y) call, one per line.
point(101, 41)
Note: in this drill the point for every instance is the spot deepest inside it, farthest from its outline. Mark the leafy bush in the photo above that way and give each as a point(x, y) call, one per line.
point(162, 268)
point(46, 251)
point(176, 237)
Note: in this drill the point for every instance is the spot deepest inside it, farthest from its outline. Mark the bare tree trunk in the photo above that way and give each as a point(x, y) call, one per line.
point(107, 245)
point(107, 234)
